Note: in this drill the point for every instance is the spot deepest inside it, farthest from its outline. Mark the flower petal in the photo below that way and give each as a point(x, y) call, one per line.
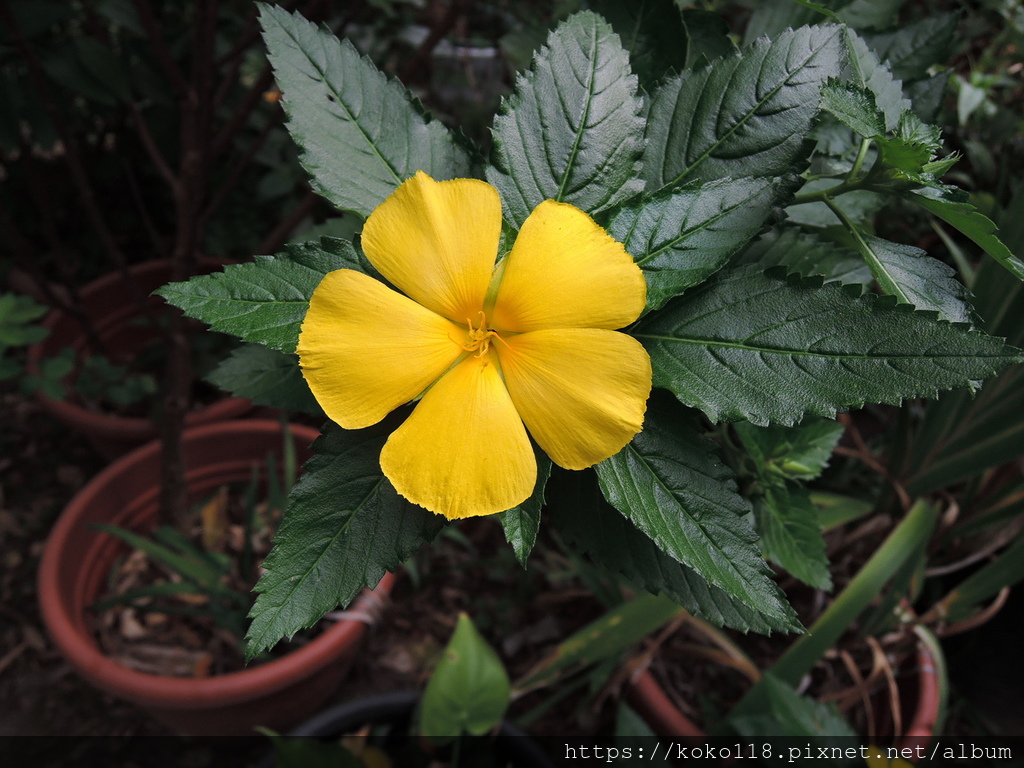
point(564, 271)
point(582, 392)
point(436, 241)
point(366, 349)
point(464, 450)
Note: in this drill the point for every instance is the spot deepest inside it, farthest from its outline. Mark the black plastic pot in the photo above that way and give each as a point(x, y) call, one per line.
point(509, 746)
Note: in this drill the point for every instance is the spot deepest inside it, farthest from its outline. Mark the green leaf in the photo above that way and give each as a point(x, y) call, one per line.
point(628, 725)
point(573, 130)
point(267, 377)
point(927, 95)
point(771, 17)
point(908, 154)
point(808, 254)
point(906, 158)
point(835, 509)
point(583, 517)
point(747, 345)
point(671, 485)
point(796, 453)
point(469, 690)
point(680, 237)
point(960, 435)
point(784, 712)
point(17, 314)
point(707, 37)
point(160, 589)
point(263, 301)
point(522, 523)
point(790, 533)
point(912, 49)
point(64, 65)
point(743, 115)
point(35, 17)
point(604, 638)
point(302, 752)
point(985, 583)
point(951, 205)
point(865, 70)
point(360, 134)
point(651, 31)
point(190, 567)
point(104, 66)
point(914, 277)
point(344, 527)
point(901, 545)
point(10, 368)
point(854, 106)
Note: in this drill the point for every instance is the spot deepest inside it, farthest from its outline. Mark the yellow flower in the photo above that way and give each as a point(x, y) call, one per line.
point(487, 348)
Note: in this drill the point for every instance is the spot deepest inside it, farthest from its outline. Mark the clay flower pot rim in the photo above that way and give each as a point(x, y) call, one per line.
point(110, 426)
point(82, 650)
point(666, 720)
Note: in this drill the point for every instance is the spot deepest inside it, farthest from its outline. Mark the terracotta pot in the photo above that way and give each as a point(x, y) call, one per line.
point(76, 562)
point(921, 701)
point(110, 305)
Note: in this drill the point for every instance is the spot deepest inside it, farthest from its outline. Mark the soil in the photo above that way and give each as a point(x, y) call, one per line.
point(197, 634)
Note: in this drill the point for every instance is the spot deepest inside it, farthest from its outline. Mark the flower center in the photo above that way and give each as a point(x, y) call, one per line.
point(478, 339)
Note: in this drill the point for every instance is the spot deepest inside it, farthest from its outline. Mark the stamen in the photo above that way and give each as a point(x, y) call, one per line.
point(479, 338)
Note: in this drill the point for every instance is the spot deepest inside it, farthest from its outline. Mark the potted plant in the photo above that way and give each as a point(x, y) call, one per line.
point(565, 331)
point(124, 328)
point(78, 559)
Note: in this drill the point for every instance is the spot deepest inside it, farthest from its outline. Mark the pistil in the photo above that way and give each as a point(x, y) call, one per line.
point(479, 337)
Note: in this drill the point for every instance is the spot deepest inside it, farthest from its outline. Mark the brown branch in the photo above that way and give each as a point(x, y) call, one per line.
point(160, 50)
point(250, 33)
point(444, 25)
point(255, 93)
point(27, 259)
point(149, 144)
point(239, 168)
point(188, 194)
point(233, 58)
point(158, 242)
point(243, 111)
point(863, 453)
point(41, 200)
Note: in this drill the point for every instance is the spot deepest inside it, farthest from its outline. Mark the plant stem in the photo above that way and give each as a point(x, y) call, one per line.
point(849, 184)
point(824, 194)
point(862, 153)
point(885, 282)
point(188, 190)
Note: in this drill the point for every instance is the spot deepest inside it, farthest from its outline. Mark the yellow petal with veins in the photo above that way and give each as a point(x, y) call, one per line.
point(436, 241)
point(464, 450)
point(582, 392)
point(365, 349)
point(565, 271)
